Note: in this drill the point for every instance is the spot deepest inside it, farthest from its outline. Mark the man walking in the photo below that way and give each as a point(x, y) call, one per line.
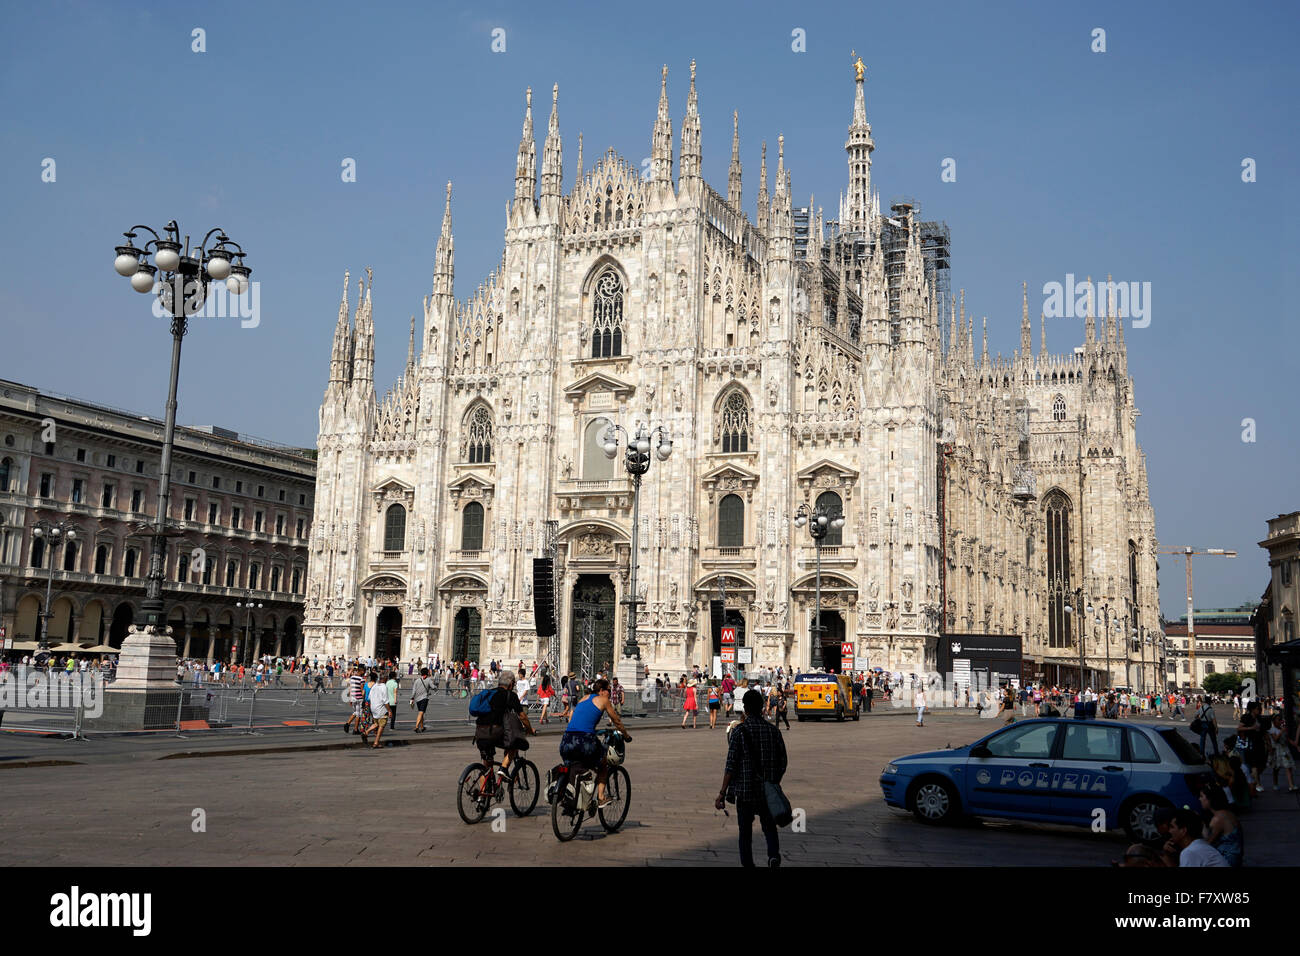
point(1205, 724)
point(755, 753)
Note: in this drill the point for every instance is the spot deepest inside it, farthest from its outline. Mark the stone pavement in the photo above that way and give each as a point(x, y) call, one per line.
point(397, 807)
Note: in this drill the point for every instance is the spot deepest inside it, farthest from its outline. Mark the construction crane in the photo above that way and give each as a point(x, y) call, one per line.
point(1191, 627)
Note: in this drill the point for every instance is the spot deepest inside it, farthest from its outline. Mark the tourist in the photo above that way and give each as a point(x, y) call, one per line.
point(1185, 839)
point(1280, 744)
point(715, 701)
point(755, 754)
point(1222, 828)
point(919, 700)
point(378, 697)
point(689, 707)
point(391, 685)
point(420, 692)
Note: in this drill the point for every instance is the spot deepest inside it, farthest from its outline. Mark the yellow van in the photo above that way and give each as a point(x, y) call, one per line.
point(824, 695)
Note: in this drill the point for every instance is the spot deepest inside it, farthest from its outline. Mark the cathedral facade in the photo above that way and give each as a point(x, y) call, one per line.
point(795, 361)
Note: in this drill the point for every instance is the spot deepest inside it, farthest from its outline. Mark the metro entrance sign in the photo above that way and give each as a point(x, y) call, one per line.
point(846, 651)
point(728, 635)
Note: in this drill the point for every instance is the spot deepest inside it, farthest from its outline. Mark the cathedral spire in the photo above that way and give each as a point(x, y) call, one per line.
point(1111, 337)
point(444, 269)
point(859, 146)
point(340, 370)
point(762, 192)
point(410, 350)
point(526, 164)
point(734, 194)
point(984, 357)
point(363, 362)
point(577, 181)
point(1026, 330)
point(1042, 341)
point(552, 161)
point(661, 153)
point(692, 157)
point(952, 330)
point(1090, 323)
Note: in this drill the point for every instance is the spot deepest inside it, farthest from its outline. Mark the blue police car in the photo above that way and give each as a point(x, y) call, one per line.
point(1054, 770)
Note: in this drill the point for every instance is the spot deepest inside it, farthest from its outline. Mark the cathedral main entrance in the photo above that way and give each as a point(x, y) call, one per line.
point(388, 634)
point(594, 612)
point(466, 630)
point(828, 654)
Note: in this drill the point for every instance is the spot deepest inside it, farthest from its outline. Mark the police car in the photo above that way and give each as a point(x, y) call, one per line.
point(1054, 770)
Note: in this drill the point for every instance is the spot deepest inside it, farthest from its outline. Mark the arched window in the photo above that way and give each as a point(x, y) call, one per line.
point(70, 556)
point(297, 581)
point(38, 553)
point(1058, 409)
point(128, 568)
point(183, 568)
point(5, 467)
point(395, 529)
point(734, 426)
point(731, 522)
point(595, 466)
point(478, 436)
point(471, 527)
point(275, 579)
point(207, 570)
point(101, 559)
point(1058, 570)
point(829, 502)
point(607, 316)
point(232, 573)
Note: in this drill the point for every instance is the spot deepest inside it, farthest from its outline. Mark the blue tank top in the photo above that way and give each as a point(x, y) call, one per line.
point(585, 718)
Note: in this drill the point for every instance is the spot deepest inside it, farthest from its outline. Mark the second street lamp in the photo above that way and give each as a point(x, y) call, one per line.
point(637, 462)
point(820, 521)
point(51, 533)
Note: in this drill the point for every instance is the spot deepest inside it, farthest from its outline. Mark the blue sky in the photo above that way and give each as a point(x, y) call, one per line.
point(1068, 161)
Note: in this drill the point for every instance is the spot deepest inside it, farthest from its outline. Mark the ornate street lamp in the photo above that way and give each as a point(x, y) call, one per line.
point(819, 521)
point(51, 533)
point(179, 274)
point(248, 603)
point(1064, 594)
point(637, 462)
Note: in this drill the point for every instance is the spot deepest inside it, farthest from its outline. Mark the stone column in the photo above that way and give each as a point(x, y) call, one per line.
point(189, 632)
point(74, 620)
point(279, 638)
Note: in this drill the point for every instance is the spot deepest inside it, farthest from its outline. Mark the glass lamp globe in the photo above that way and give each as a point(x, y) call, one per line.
point(237, 284)
point(168, 256)
point(821, 521)
point(610, 448)
point(664, 450)
point(837, 523)
point(72, 535)
point(142, 281)
point(800, 521)
point(643, 445)
point(218, 265)
point(126, 263)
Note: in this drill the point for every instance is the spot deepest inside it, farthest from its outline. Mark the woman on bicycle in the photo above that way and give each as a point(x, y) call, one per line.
point(580, 744)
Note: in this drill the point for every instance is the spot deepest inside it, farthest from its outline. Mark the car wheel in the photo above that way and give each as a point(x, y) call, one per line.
point(934, 801)
point(1138, 818)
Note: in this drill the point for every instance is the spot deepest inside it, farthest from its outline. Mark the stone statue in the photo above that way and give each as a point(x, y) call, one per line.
point(419, 589)
point(859, 68)
point(672, 594)
point(566, 467)
point(533, 405)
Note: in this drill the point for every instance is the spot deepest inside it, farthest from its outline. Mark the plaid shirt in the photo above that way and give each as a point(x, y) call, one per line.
point(764, 744)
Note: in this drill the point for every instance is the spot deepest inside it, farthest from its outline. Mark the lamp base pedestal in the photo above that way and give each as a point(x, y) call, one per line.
point(145, 694)
point(631, 676)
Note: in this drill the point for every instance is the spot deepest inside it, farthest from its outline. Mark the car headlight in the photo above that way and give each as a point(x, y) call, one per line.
point(890, 768)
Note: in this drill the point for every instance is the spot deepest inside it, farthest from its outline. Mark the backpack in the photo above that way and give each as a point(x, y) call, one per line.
point(480, 705)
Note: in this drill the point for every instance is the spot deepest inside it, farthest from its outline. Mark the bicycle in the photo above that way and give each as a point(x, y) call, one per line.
point(572, 793)
point(522, 782)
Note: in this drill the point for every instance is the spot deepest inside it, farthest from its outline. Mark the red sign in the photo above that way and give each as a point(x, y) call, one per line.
point(846, 652)
point(728, 655)
point(728, 635)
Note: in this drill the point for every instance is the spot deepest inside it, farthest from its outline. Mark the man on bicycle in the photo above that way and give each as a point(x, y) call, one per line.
point(580, 744)
point(490, 731)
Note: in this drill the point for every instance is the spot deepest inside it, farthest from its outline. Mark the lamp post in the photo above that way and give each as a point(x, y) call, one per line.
point(248, 603)
point(180, 275)
point(637, 462)
point(819, 521)
point(1064, 593)
point(51, 533)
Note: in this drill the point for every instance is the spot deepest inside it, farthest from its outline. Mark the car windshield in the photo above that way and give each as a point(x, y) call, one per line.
point(1183, 748)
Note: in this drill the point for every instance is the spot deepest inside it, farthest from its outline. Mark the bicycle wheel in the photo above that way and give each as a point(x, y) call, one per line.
point(470, 802)
point(566, 818)
point(618, 787)
point(525, 786)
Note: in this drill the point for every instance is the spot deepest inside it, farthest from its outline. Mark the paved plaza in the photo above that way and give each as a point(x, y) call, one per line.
point(340, 804)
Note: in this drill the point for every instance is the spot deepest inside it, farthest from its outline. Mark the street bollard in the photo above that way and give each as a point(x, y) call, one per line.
point(180, 700)
point(252, 706)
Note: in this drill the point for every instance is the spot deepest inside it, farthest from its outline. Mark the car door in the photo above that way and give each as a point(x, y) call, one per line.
point(1013, 777)
point(1091, 773)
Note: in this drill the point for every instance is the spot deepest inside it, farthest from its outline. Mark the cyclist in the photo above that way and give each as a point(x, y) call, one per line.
point(490, 730)
point(581, 745)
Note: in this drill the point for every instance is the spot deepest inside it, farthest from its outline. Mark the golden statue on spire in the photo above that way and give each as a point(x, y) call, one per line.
point(858, 65)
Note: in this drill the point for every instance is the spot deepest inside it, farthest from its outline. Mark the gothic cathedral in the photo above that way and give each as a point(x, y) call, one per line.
point(795, 361)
